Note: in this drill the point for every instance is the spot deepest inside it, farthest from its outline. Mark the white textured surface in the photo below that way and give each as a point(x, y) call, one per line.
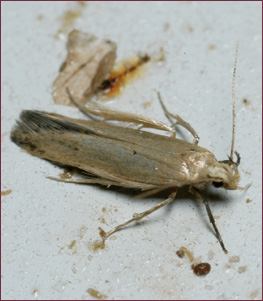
point(40, 218)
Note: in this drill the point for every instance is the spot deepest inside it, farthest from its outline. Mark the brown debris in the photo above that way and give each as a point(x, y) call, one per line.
point(88, 63)
point(122, 73)
point(201, 269)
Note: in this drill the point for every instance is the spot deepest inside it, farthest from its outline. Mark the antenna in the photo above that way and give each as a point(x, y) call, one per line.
point(234, 106)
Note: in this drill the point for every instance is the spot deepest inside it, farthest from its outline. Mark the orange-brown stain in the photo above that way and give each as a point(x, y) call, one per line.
point(122, 73)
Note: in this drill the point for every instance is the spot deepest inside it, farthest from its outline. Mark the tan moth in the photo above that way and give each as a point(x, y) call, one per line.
point(114, 155)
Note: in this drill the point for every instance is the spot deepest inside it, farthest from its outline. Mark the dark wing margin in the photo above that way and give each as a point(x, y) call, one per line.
point(31, 122)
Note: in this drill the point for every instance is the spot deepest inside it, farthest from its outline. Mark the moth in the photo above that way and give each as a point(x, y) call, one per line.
point(113, 155)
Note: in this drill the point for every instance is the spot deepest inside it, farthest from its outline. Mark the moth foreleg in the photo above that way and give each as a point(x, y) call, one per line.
point(210, 215)
point(179, 121)
point(139, 216)
point(110, 114)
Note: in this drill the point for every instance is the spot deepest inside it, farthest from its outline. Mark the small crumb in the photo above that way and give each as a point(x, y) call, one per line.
point(211, 254)
point(69, 18)
point(188, 253)
point(166, 26)
point(161, 55)
point(146, 104)
point(246, 102)
point(242, 269)
point(180, 253)
point(209, 287)
point(190, 29)
point(248, 200)
point(234, 259)
point(102, 220)
point(248, 173)
point(103, 209)
point(96, 294)
point(212, 47)
point(74, 269)
point(96, 245)
point(40, 17)
point(254, 294)
point(73, 243)
point(35, 293)
point(82, 232)
point(6, 192)
point(82, 3)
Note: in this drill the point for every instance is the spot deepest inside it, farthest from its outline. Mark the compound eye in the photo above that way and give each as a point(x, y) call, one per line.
point(217, 184)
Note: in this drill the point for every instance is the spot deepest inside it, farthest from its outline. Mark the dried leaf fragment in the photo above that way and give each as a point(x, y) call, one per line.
point(88, 63)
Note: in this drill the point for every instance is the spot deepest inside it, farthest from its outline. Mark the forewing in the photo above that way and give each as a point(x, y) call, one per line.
point(119, 154)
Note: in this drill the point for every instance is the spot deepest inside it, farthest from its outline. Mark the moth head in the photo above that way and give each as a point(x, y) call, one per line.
point(225, 176)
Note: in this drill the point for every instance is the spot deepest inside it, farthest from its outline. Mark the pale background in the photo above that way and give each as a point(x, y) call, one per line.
point(41, 218)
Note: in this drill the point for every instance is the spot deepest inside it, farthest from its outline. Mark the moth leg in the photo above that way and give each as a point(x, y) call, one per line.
point(105, 182)
point(96, 109)
point(179, 121)
point(193, 190)
point(139, 216)
point(100, 181)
